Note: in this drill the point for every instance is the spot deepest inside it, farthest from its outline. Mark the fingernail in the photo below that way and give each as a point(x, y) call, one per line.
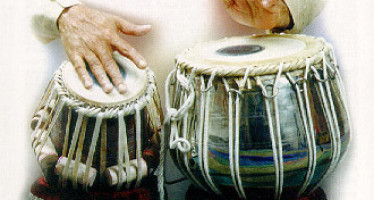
point(122, 88)
point(142, 64)
point(107, 87)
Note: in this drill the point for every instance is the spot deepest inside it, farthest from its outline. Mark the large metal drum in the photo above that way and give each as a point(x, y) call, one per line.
point(257, 117)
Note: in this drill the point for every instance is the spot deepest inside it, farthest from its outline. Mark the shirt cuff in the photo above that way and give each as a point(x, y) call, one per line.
point(64, 4)
point(44, 21)
point(303, 12)
point(67, 3)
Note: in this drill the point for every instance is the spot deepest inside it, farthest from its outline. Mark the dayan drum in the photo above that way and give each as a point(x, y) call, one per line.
point(257, 117)
point(87, 138)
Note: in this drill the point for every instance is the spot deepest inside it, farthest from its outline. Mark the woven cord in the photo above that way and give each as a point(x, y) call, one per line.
point(139, 169)
point(304, 106)
point(65, 172)
point(67, 134)
point(103, 148)
point(92, 149)
point(37, 131)
point(78, 154)
point(231, 139)
point(330, 113)
point(274, 134)
point(45, 135)
point(237, 134)
point(201, 127)
point(205, 159)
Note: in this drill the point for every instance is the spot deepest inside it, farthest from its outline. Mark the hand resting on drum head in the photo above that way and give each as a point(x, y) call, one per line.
point(262, 14)
point(90, 36)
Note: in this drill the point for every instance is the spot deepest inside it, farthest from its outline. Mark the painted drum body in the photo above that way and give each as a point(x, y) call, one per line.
point(259, 117)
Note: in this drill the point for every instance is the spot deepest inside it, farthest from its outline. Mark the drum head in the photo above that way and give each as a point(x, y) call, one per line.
point(249, 51)
point(135, 78)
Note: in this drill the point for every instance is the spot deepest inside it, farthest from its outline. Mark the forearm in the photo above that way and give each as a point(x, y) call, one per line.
point(45, 18)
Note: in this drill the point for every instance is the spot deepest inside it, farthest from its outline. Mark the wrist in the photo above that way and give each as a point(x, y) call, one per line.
point(67, 5)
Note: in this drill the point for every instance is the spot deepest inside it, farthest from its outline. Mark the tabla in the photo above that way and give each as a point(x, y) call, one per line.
point(88, 138)
point(257, 117)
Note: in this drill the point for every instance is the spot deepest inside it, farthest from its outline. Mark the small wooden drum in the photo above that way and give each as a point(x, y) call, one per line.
point(257, 117)
point(84, 138)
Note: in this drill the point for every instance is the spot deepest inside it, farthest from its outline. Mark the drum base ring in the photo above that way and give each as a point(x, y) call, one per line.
point(194, 193)
point(41, 190)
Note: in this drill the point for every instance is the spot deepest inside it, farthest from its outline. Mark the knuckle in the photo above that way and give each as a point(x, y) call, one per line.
point(107, 34)
point(75, 43)
point(101, 52)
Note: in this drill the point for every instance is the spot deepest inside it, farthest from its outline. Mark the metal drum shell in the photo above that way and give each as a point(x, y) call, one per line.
point(328, 121)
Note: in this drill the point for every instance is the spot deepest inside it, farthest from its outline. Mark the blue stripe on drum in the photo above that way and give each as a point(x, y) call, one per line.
point(245, 160)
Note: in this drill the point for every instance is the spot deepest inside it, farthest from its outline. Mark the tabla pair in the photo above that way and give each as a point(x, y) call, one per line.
point(256, 117)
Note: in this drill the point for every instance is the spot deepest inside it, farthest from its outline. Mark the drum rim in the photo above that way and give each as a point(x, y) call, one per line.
point(110, 110)
point(318, 48)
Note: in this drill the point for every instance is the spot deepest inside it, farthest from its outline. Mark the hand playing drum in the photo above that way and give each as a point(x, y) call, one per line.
point(262, 14)
point(275, 15)
point(90, 36)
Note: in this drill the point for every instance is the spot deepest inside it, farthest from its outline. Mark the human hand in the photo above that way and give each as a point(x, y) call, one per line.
point(262, 14)
point(91, 36)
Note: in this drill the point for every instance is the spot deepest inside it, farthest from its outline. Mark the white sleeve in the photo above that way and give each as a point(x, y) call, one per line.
point(303, 12)
point(44, 20)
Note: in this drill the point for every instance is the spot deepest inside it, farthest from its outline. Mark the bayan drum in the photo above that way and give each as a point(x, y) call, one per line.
point(257, 117)
point(88, 138)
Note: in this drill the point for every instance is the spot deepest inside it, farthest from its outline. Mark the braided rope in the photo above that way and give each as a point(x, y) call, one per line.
point(186, 127)
point(206, 174)
point(138, 147)
point(274, 129)
point(233, 171)
point(67, 134)
point(35, 135)
point(237, 134)
point(305, 112)
point(65, 173)
point(78, 154)
point(256, 69)
point(91, 152)
point(331, 116)
point(174, 115)
point(103, 147)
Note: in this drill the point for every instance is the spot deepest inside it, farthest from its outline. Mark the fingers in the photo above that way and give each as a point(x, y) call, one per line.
point(80, 68)
point(89, 37)
point(127, 50)
point(98, 71)
point(132, 29)
point(110, 66)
